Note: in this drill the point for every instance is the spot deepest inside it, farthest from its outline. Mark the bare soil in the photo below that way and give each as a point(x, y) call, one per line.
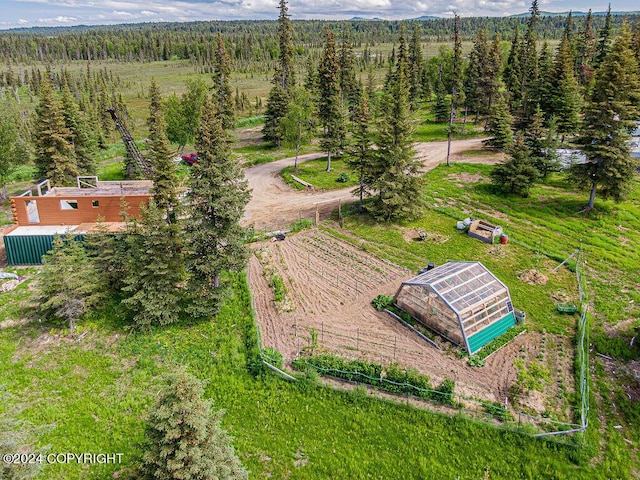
point(275, 205)
point(330, 284)
point(533, 277)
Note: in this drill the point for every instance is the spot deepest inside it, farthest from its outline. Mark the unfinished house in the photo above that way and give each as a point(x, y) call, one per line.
point(461, 301)
point(48, 211)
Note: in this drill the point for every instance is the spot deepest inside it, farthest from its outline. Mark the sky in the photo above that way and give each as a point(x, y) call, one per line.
point(40, 13)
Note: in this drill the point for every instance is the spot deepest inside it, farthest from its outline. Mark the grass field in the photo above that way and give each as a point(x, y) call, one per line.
point(94, 391)
point(314, 172)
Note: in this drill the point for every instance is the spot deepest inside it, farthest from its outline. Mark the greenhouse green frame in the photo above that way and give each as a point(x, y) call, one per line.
point(462, 301)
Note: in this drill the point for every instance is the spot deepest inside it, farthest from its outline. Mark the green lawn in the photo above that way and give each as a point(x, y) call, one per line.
point(314, 172)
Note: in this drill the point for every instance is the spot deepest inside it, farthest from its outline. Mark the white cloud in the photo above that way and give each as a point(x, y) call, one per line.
point(59, 20)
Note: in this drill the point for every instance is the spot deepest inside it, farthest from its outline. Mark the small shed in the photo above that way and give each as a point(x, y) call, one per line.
point(462, 301)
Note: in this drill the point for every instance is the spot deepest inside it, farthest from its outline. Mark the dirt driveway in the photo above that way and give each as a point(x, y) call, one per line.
point(274, 204)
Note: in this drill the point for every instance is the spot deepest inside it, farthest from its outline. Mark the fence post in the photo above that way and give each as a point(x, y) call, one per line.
point(322, 332)
point(358, 339)
point(395, 347)
point(356, 287)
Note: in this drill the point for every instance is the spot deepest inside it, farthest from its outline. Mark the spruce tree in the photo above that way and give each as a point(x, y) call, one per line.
point(475, 94)
point(529, 72)
point(164, 175)
point(68, 285)
point(155, 271)
point(84, 143)
point(565, 91)
point(499, 126)
point(285, 41)
point(277, 108)
point(184, 438)
point(217, 199)
point(283, 80)
point(223, 101)
point(361, 157)
point(398, 183)
point(511, 74)
point(329, 108)
point(604, 40)
point(416, 70)
point(586, 48)
point(542, 144)
point(609, 116)
point(441, 108)
point(349, 87)
point(55, 155)
point(517, 174)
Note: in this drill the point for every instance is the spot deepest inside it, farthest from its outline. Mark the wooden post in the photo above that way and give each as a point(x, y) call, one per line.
point(340, 211)
point(317, 215)
point(322, 332)
point(358, 338)
point(356, 287)
point(395, 347)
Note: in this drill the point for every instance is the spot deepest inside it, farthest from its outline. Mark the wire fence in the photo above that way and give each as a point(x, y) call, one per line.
point(449, 401)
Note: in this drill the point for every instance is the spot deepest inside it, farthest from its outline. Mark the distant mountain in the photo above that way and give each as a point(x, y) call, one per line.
point(362, 19)
point(426, 17)
point(575, 14)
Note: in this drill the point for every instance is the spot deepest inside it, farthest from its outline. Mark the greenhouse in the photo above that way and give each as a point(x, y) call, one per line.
point(462, 301)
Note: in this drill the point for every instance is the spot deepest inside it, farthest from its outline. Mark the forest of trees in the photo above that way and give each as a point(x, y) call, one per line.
point(531, 98)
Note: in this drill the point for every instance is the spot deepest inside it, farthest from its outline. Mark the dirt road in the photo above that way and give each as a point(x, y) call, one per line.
point(274, 204)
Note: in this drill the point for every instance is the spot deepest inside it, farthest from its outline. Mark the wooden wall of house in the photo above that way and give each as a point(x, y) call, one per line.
point(89, 208)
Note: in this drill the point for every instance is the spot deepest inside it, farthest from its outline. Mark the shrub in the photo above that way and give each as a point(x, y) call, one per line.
point(381, 302)
point(444, 392)
point(343, 178)
point(496, 410)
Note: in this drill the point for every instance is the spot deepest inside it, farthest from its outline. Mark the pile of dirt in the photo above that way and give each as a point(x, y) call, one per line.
point(533, 277)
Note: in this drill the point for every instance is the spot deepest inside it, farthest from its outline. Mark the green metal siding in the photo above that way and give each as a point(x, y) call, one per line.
point(27, 249)
point(480, 339)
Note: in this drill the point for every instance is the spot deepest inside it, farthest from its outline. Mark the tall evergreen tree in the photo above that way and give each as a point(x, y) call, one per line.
point(164, 175)
point(217, 199)
point(84, 143)
point(68, 284)
point(361, 155)
point(604, 40)
point(542, 144)
point(55, 155)
point(475, 94)
point(184, 438)
point(399, 184)
point(565, 91)
point(285, 41)
point(529, 68)
point(329, 108)
point(283, 80)
point(511, 74)
point(277, 108)
point(223, 101)
point(155, 270)
point(416, 70)
point(609, 116)
point(499, 126)
point(586, 48)
point(349, 87)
